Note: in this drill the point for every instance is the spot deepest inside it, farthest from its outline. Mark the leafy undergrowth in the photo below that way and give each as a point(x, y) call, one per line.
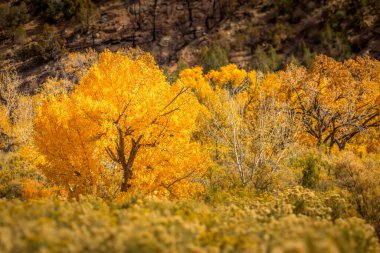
point(297, 220)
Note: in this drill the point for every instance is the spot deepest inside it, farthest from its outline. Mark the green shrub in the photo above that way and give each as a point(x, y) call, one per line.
point(53, 11)
point(307, 55)
point(265, 61)
point(227, 7)
point(13, 175)
point(12, 20)
point(335, 43)
point(310, 172)
point(213, 57)
point(48, 45)
point(328, 205)
point(279, 33)
point(313, 169)
point(173, 76)
point(286, 6)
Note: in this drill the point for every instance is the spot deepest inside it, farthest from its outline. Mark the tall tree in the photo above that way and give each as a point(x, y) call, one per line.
point(335, 101)
point(244, 126)
point(122, 114)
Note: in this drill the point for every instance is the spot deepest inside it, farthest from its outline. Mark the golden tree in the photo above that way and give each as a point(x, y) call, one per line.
point(335, 100)
point(123, 115)
point(244, 125)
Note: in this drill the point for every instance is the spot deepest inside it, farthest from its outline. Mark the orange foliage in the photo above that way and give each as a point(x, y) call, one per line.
point(124, 115)
point(335, 101)
point(33, 189)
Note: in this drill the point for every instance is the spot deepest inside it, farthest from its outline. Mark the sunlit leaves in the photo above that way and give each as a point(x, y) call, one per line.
point(244, 125)
point(124, 113)
point(335, 100)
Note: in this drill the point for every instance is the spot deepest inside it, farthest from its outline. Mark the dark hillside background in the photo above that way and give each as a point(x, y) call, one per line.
point(260, 34)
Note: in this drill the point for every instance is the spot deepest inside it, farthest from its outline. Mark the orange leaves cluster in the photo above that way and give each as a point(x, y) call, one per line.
point(33, 189)
point(335, 100)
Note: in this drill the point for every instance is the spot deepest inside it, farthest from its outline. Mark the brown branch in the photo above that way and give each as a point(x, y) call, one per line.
point(183, 90)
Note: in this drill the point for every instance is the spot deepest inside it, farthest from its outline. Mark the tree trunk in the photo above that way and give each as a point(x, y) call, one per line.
point(122, 160)
point(127, 165)
point(154, 20)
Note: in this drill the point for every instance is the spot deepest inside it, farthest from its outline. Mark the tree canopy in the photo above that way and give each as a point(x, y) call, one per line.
point(335, 101)
point(124, 115)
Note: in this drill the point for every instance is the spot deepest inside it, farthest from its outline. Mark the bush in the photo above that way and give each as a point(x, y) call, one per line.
point(53, 10)
point(227, 7)
point(330, 205)
point(286, 6)
point(151, 225)
point(12, 19)
point(335, 43)
point(213, 57)
point(313, 170)
point(361, 179)
point(14, 175)
point(74, 66)
point(310, 172)
point(307, 55)
point(172, 76)
point(48, 45)
point(265, 61)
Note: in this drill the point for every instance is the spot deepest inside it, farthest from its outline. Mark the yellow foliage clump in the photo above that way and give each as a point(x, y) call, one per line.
point(228, 75)
point(33, 189)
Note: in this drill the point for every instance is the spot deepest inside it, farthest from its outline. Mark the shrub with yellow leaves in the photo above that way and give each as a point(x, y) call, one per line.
point(153, 225)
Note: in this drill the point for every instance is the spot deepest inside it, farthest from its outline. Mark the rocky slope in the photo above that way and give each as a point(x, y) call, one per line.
point(179, 29)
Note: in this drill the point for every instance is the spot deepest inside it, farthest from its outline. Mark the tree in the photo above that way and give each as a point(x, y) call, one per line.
point(48, 45)
point(12, 19)
point(16, 113)
point(243, 126)
point(335, 101)
point(124, 115)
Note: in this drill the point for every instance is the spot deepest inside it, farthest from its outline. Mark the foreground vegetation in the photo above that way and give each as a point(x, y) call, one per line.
point(115, 156)
point(152, 225)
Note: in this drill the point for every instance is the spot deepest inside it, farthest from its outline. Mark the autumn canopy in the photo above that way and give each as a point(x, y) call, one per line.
point(123, 115)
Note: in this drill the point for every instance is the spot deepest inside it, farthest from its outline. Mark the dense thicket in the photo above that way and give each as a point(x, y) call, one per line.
point(115, 156)
point(152, 225)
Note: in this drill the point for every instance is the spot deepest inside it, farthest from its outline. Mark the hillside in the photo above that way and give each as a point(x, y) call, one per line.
point(260, 34)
